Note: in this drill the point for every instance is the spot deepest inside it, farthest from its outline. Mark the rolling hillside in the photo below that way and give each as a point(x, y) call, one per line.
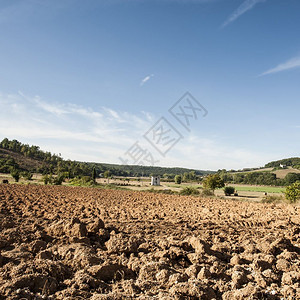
point(14, 154)
point(281, 173)
point(25, 163)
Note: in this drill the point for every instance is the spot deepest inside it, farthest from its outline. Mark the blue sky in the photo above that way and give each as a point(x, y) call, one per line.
point(87, 79)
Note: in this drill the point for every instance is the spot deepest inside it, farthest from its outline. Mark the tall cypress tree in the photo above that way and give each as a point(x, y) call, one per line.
point(94, 174)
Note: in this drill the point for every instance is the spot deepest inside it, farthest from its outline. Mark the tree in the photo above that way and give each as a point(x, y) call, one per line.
point(106, 175)
point(212, 182)
point(169, 176)
point(292, 192)
point(192, 175)
point(185, 177)
point(15, 174)
point(178, 179)
point(94, 174)
point(4, 143)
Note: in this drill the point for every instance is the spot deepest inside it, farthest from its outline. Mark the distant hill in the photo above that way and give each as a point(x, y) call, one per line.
point(285, 166)
point(293, 162)
point(280, 173)
point(14, 154)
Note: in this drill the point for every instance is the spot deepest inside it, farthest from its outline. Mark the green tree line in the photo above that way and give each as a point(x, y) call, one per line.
point(54, 164)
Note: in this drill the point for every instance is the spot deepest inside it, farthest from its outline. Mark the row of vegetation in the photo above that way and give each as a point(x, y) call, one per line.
point(210, 184)
point(259, 178)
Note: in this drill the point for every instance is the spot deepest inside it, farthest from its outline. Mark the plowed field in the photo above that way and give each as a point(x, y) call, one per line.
point(59, 242)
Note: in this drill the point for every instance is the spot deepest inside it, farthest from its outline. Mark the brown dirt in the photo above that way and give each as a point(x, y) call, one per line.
point(84, 243)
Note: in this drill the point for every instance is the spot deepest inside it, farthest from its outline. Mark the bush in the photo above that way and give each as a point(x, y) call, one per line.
point(189, 190)
point(87, 179)
point(47, 179)
point(272, 199)
point(167, 192)
point(27, 175)
point(229, 190)
point(83, 181)
point(75, 181)
point(15, 175)
point(292, 192)
point(59, 179)
point(207, 192)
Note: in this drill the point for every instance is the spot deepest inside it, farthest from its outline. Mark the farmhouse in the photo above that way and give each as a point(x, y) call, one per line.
point(155, 180)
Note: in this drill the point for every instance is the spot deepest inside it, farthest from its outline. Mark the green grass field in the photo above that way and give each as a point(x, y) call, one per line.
point(264, 189)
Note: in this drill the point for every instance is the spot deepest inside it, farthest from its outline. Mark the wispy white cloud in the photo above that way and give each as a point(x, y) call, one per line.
point(243, 8)
point(54, 126)
point(288, 65)
point(147, 78)
point(104, 135)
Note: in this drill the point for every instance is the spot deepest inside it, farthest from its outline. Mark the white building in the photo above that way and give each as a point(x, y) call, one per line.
point(155, 180)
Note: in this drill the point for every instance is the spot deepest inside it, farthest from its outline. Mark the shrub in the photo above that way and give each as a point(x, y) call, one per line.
point(292, 192)
point(207, 192)
point(87, 179)
point(47, 179)
point(229, 190)
point(58, 180)
point(15, 175)
point(83, 181)
point(272, 199)
point(168, 192)
point(27, 175)
point(189, 190)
